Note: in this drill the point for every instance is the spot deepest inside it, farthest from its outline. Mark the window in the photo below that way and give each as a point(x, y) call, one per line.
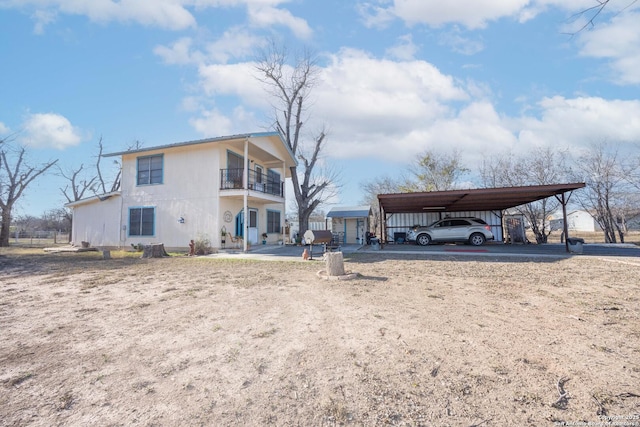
point(150, 170)
point(273, 222)
point(141, 221)
point(273, 182)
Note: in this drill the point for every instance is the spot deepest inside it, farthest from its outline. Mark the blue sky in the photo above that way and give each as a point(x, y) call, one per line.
point(398, 77)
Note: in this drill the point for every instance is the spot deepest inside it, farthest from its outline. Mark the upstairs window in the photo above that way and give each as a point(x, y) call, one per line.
point(150, 170)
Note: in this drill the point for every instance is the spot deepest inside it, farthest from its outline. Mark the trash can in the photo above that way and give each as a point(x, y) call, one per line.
point(575, 245)
point(375, 244)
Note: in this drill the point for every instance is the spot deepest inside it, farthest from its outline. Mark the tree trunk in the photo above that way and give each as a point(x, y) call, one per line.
point(154, 251)
point(4, 230)
point(335, 264)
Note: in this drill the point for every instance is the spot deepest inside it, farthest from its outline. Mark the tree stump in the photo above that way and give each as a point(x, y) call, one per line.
point(154, 251)
point(335, 263)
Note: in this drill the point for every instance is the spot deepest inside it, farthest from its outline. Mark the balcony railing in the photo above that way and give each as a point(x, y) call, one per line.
point(232, 179)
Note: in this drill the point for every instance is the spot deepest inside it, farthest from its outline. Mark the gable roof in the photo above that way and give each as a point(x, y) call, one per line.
point(480, 199)
point(349, 212)
point(239, 137)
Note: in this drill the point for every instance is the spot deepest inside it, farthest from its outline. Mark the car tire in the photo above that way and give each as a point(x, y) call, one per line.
point(477, 239)
point(423, 239)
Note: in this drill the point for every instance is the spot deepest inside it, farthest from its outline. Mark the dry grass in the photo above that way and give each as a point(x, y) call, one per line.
point(412, 341)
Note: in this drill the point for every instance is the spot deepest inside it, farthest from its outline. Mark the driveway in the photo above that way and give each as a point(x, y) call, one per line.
point(550, 250)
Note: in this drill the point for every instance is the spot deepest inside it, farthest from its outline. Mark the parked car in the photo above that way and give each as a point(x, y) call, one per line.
point(474, 231)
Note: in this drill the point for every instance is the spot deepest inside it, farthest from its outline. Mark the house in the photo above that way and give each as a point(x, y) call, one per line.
point(578, 220)
point(350, 222)
point(173, 193)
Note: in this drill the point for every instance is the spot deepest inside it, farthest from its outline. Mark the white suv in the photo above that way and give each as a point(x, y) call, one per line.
point(469, 230)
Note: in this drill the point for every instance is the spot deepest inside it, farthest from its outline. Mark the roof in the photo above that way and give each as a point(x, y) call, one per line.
point(92, 199)
point(480, 199)
point(349, 212)
point(238, 137)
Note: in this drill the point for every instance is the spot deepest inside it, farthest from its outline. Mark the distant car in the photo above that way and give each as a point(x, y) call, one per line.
point(474, 231)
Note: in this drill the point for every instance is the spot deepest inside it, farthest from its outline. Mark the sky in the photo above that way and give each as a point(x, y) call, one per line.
point(396, 78)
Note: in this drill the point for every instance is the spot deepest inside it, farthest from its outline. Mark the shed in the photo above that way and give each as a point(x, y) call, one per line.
point(350, 222)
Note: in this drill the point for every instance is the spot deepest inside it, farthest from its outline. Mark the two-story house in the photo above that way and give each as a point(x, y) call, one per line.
point(189, 190)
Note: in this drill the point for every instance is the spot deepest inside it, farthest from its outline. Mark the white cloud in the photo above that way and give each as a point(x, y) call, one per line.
point(233, 79)
point(575, 122)
point(167, 14)
point(470, 13)
point(619, 42)
point(3, 129)
point(267, 16)
point(179, 52)
point(43, 18)
point(375, 16)
point(460, 44)
point(214, 122)
point(404, 50)
point(49, 130)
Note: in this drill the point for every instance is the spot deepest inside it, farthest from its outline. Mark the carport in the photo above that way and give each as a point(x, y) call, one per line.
point(495, 200)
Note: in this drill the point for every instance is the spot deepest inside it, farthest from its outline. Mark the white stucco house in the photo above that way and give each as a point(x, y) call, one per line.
point(173, 193)
point(577, 220)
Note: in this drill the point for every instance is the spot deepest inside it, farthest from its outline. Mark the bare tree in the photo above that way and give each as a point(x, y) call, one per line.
point(592, 13)
point(115, 183)
point(14, 179)
point(541, 166)
point(434, 171)
point(290, 87)
point(78, 184)
point(371, 189)
point(606, 192)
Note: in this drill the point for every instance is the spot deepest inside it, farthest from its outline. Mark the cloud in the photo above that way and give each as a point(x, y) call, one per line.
point(214, 122)
point(49, 130)
point(619, 42)
point(405, 49)
point(267, 16)
point(233, 79)
point(577, 122)
point(460, 44)
point(4, 129)
point(166, 14)
point(179, 52)
point(472, 14)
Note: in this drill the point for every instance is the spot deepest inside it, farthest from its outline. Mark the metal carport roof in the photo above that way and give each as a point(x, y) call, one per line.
point(479, 199)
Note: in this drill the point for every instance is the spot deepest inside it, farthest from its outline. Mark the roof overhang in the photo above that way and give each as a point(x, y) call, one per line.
point(93, 199)
point(234, 140)
point(349, 212)
point(480, 199)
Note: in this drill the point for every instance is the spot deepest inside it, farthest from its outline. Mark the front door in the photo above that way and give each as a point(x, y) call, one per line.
point(253, 225)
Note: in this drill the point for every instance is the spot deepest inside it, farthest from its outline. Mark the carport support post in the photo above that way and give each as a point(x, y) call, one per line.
point(565, 226)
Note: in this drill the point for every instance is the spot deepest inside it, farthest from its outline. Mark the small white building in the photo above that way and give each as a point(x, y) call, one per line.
point(578, 220)
point(174, 193)
point(350, 222)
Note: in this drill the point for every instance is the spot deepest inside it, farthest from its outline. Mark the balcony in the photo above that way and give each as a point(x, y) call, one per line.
point(260, 182)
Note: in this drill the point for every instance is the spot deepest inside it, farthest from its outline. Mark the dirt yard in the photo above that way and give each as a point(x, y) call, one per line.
point(435, 342)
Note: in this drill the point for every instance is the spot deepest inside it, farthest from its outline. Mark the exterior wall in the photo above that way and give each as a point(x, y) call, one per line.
point(352, 229)
point(400, 223)
point(98, 223)
point(576, 221)
point(189, 190)
point(580, 221)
